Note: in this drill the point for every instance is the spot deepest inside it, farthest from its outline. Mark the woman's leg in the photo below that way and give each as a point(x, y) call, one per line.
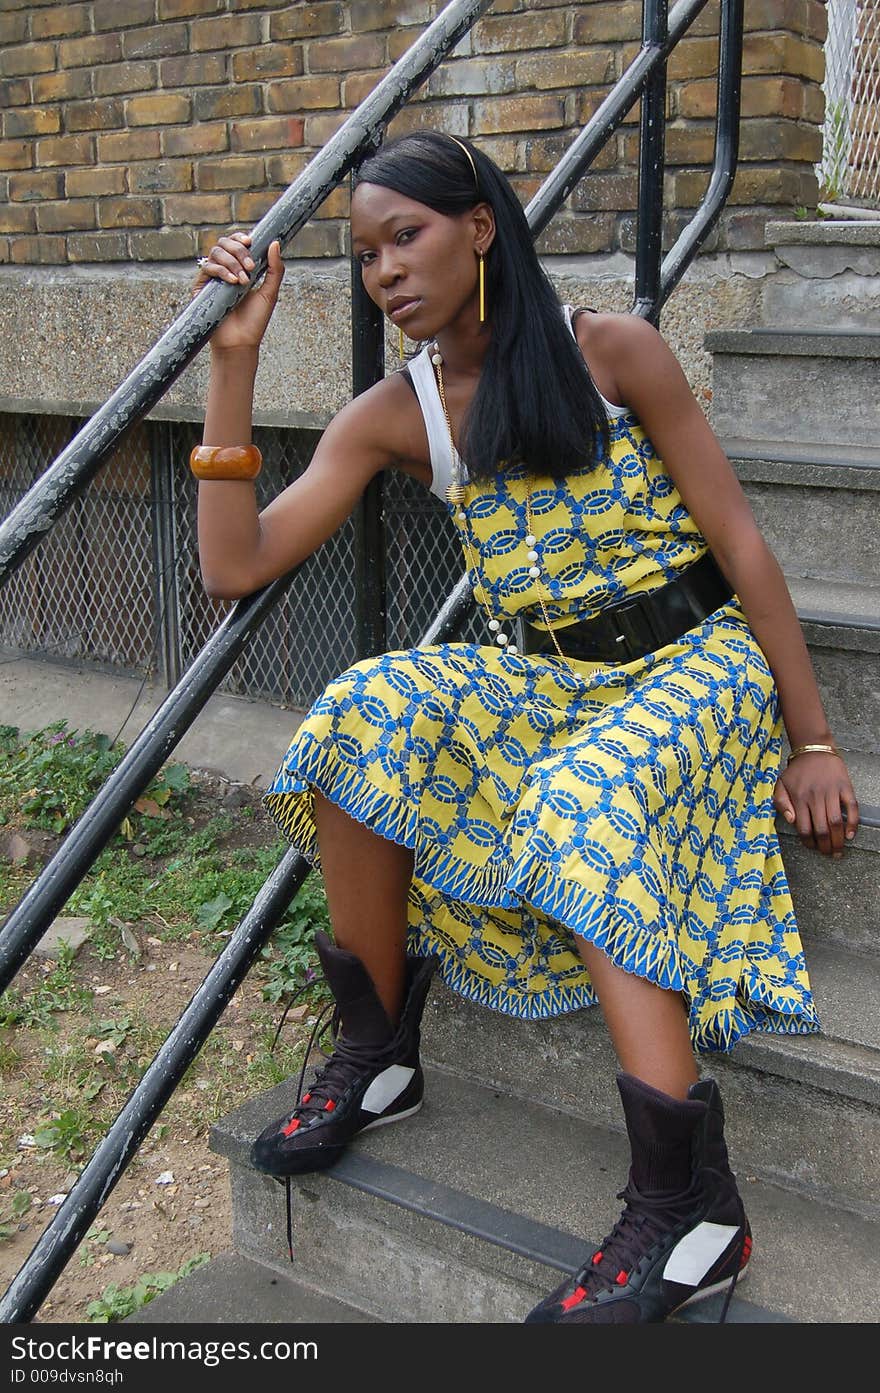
point(367, 880)
point(647, 1024)
point(683, 1233)
point(373, 1075)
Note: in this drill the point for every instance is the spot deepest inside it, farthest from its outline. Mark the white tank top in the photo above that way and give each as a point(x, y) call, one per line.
point(424, 380)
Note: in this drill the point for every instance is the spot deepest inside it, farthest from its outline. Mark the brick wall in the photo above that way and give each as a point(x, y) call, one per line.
point(134, 129)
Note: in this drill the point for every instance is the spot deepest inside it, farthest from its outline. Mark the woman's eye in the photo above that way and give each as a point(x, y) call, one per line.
point(365, 258)
point(406, 235)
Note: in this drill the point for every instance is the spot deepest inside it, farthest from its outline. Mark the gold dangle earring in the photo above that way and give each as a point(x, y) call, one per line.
point(482, 289)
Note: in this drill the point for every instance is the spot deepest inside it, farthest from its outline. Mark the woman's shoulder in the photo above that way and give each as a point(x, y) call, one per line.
point(388, 417)
point(608, 342)
point(610, 330)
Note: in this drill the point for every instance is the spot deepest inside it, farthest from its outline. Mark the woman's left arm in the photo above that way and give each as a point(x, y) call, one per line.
point(814, 792)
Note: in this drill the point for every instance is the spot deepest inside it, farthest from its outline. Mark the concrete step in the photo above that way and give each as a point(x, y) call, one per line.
point(469, 1211)
point(807, 1107)
point(829, 273)
point(235, 1290)
point(816, 505)
point(805, 385)
point(841, 624)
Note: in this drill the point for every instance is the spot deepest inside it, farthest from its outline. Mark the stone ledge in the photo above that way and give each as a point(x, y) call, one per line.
point(822, 233)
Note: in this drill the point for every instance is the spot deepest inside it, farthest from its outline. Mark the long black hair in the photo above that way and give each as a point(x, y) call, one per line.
point(535, 403)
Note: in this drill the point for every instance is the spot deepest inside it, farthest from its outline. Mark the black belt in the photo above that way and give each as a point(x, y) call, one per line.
point(637, 626)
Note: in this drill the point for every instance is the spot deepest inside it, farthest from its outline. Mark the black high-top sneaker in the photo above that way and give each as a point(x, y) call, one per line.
point(372, 1077)
point(683, 1234)
point(712, 1164)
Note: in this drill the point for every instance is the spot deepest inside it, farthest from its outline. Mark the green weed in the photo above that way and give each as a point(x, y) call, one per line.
point(50, 777)
point(115, 1302)
point(56, 992)
point(12, 1211)
point(290, 958)
point(66, 1134)
point(96, 1237)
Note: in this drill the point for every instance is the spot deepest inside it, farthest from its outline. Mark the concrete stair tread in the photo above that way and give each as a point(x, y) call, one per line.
point(796, 343)
point(540, 1183)
point(232, 1289)
point(862, 462)
point(835, 602)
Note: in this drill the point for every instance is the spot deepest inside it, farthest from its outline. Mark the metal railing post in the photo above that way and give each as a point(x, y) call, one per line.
point(368, 368)
point(652, 133)
point(730, 39)
point(167, 598)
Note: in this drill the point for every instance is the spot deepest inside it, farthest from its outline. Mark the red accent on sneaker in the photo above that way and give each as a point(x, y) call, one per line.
point(597, 1258)
point(575, 1299)
point(306, 1097)
point(329, 1105)
point(746, 1251)
point(621, 1279)
point(291, 1127)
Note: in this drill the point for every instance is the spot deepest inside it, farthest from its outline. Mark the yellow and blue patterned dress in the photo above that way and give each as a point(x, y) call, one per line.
point(547, 799)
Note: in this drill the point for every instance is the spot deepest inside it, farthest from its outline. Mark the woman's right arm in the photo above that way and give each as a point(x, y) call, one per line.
point(240, 548)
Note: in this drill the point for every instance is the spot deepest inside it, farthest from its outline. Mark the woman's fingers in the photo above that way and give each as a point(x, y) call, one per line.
point(782, 802)
point(271, 282)
point(228, 260)
point(851, 809)
point(834, 820)
point(819, 820)
point(818, 801)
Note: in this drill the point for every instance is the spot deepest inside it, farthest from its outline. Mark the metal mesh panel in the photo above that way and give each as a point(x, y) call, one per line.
point(423, 560)
point(310, 636)
point(851, 153)
point(87, 591)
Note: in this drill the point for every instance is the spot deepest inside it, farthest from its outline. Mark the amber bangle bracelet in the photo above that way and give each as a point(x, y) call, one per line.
point(226, 461)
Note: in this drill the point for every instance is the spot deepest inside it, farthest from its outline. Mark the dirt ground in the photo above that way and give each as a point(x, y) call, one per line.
point(172, 1203)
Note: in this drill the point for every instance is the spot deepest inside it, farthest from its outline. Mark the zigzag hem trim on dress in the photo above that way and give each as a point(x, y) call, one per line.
point(658, 960)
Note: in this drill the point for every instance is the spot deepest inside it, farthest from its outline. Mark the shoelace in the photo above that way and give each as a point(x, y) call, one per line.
point(317, 1029)
point(646, 1217)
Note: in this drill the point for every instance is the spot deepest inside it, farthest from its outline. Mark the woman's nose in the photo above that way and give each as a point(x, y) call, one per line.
point(389, 270)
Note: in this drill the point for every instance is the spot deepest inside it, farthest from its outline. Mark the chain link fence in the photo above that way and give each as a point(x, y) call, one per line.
point(116, 583)
point(87, 592)
point(851, 148)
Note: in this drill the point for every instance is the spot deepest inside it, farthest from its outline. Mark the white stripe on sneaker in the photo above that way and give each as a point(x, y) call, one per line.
point(694, 1254)
point(386, 1087)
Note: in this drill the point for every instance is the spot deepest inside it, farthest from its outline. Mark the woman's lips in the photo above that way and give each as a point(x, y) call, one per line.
point(404, 309)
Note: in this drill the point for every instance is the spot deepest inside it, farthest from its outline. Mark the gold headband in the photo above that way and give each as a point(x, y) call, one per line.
point(470, 159)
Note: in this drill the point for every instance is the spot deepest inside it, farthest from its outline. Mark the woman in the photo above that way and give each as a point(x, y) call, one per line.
point(591, 818)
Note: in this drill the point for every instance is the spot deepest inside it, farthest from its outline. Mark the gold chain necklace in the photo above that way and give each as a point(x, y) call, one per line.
point(456, 495)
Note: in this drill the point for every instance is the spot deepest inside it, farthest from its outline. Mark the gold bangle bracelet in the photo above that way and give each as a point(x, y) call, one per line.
point(812, 750)
point(226, 461)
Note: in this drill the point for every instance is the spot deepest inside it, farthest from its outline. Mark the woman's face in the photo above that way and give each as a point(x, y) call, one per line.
point(419, 266)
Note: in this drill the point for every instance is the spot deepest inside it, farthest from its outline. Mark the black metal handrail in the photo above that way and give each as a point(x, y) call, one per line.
point(72, 471)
